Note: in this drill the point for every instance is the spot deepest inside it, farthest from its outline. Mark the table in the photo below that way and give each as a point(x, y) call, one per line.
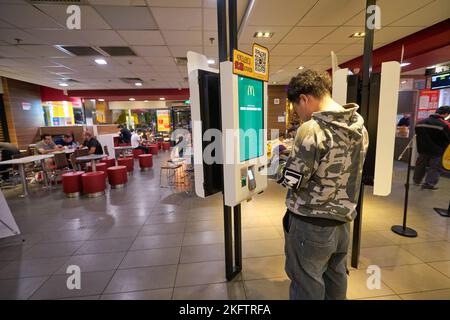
point(92, 158)
point(21, 163)
point(66, 151)
point(122, 148)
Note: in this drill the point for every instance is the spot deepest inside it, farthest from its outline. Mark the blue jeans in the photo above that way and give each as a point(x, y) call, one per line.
point(316, 259)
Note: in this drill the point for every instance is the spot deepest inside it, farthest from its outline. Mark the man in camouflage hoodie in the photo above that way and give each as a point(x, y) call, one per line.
point(323, 177)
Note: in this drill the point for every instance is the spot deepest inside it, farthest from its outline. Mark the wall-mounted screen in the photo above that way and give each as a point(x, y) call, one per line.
point(251, 118)
point(440, 81)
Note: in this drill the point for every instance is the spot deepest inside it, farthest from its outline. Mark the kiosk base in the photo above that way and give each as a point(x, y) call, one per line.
point(443, 212)
point(404, 231)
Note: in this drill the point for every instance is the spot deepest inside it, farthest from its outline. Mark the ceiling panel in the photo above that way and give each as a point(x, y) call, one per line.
point(274, 13)
point(118, 2)
point(14, 52)
point(60, 37)
point(289, 49)
point(26, 16)
point(332, 12)
point(181, 38)
point(180, 51)
point(151, 51)
point(300, 35)
point(210, 19)
point(127, 18)
point(43, 51)
point(162, 61)
point(211, 52)
point(322, 49)
point(11, 63)
point(342, 35)
point(357, 48)
point(90, 19)
point(394, 10)
point(305, 60)
point(142, 38)
point(103, 38)
point(434, 12)
point(128, 61)
point(247, 36)
point(178, 18)
point(281, 60)
point(9, 36)
point(175, 3)
point(391, 34)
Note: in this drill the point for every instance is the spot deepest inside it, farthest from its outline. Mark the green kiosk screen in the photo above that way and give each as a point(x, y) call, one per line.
point(251, 118)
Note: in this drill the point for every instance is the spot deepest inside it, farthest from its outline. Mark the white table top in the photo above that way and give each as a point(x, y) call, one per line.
point(123, 147)
point(28, 159)
point(66, 151)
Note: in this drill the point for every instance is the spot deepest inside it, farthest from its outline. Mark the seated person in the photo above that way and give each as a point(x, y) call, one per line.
point(136, 141)
point(46, 145)
point(281, 147)
point(91, 143)
point(7, 151)
point(66, 141)
point(124, 134)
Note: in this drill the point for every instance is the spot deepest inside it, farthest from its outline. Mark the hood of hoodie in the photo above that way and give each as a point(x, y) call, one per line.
point(348, 123)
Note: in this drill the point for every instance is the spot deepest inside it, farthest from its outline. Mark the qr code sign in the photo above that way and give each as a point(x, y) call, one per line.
point(260, 61)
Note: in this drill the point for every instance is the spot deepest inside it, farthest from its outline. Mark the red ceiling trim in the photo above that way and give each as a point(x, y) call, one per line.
point(125, 94)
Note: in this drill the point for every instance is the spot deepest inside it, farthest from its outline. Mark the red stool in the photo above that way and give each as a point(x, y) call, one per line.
point(166, 146)
point(137, 153)
point(145, 161)
point(71, 182)
point(94, 184)
point(100, 166)
point(127, 162)
point(118, 177)
point(153, 148)
point(110, 162)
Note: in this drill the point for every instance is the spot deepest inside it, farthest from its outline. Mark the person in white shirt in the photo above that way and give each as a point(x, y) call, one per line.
point(136, 141)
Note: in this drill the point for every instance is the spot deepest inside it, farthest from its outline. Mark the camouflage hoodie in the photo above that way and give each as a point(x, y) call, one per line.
point(323, 171)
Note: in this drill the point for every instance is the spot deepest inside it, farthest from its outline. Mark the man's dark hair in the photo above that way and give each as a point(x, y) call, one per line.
point(43, 136)
point(67, 136)
point(309, 82)
point(120, 126)
point(443, 110)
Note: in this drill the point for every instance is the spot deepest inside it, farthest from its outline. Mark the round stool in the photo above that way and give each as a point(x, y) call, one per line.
point(118, 177)
point(100, 166)
point(110, 162)
point(145, 161)
point(137, 153)
point(94, 184)
point(153, 148)
point(127, 162)
point(71, 182)
point(166, 145)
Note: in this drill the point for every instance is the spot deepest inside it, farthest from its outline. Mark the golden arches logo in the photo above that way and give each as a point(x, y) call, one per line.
point(251, 91)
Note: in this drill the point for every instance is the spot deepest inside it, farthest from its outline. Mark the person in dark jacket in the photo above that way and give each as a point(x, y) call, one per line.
point(125, 134)
point(433, 137)
point(7, 151)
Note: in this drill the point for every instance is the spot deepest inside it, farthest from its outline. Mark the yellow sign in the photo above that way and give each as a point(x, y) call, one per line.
point(163, 118)
point(254, 66)
point(446, 159)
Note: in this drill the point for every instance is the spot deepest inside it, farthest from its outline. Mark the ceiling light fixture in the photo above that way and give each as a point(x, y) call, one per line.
point(358, 35)
point(101, 100)
point(145, 101)
point(301, 68)
point(162, 98)
point(431, 67)
point(101, 61)
point(261, 34)
point(138, 84)
point(404, 64)
point(274, 82)
point(211, 61)
point(63, 84)
point(132, 99)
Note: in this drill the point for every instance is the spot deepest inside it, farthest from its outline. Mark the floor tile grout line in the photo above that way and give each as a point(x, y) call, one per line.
point(179, 262)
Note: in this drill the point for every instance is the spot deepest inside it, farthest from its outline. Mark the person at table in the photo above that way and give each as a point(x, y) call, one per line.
point(66, 141)
point(7, 151)
point(46, 145)
point(91, 143)
point(136, 141)
point(124, 134)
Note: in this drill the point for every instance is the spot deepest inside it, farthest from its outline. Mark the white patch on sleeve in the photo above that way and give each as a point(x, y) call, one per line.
point(292, 179)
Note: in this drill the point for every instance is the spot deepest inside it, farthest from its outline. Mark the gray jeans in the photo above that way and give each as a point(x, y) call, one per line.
point(434, 172)
point(316, 259)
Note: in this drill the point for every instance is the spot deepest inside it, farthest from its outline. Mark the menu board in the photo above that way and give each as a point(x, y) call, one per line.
point(428, 103)
point(163, 119)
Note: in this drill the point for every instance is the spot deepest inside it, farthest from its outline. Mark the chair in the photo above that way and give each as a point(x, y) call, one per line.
point(172, 172)
point(61, 166)
point(106, 151)
point(75, 155)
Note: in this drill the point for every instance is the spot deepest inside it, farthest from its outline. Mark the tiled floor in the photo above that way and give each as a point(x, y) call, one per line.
point(144, 242)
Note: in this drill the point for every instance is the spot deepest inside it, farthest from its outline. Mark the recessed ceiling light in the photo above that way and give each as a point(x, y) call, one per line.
point(63, 84)
point(404, 81)
point(431, 67)
point(145, 100)
point(301, 68)
point(101, 100)
point(162, 98)
point(132, 99)
point(358, 35)
point(261, 34)
point(211, 61)
point(93, 100)
point(101, 61)
point(404, 64)
point(274, 82)
point(138, 84)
